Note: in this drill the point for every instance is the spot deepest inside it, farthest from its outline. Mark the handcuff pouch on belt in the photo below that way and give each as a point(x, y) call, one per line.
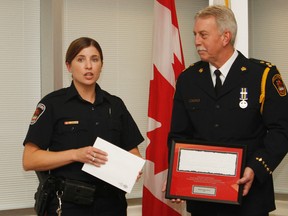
point(78, 192)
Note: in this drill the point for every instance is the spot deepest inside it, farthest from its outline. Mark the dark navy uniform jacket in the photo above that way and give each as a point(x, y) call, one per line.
point(63, 120)
point(198, 114)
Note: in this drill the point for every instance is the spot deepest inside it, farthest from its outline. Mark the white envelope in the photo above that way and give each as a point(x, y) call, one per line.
point(121, 169)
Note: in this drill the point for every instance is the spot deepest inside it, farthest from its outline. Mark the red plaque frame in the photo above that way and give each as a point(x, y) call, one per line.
point(205, 172)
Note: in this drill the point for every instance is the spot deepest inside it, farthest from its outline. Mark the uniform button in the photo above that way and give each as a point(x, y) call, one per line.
point(72, 128)
point(96, 123)
point(217, 106)
point(216, 125)
point(93, 108)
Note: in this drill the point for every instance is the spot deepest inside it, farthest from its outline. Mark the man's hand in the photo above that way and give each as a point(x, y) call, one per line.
point(172, 200)
point(247, 180)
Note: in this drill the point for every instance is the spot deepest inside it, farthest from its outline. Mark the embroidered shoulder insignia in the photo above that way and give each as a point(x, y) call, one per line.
point(38, 112)
point(279, 85)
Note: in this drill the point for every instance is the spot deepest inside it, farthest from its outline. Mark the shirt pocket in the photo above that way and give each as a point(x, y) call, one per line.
point(193, 107)
point(197, 112)
point(250, 107)
point(72, 135)
point(115, 131)
point(244, 120)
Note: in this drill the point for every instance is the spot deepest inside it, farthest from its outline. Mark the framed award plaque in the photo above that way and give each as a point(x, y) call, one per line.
point(206, 172)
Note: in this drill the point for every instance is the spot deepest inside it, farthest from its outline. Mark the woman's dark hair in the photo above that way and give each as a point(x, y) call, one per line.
point(77, 45)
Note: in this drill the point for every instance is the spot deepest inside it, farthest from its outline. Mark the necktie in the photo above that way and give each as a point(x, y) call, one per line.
point(218, 81)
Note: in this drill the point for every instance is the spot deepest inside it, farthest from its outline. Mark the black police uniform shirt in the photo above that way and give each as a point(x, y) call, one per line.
point(237, 115)
point(63, 120)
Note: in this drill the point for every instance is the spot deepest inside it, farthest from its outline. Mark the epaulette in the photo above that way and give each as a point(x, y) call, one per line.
point(56, 93)
point(262, 62)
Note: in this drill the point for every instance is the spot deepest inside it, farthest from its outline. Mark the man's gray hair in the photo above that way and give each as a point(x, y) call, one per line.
point(224, 17)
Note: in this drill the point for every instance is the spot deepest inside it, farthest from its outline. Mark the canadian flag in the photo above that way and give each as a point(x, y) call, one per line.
point(168, 63)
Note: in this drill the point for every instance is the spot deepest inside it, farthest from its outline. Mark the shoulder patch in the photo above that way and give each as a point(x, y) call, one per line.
point(38, 112)
point(279, 85)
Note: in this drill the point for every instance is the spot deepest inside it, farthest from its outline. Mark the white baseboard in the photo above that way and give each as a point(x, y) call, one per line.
point(135, 210)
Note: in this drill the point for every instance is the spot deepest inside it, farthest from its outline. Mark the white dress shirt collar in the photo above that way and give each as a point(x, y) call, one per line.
point(224, 69)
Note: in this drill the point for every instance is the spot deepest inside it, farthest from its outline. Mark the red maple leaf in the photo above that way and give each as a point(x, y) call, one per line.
point(160, 108)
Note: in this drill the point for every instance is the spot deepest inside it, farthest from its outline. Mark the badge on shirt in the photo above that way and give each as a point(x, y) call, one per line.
point(279, 85)
point(38, 112)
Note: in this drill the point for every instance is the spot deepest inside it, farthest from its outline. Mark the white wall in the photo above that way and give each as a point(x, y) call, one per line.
point(269, 41)
point(19, 93)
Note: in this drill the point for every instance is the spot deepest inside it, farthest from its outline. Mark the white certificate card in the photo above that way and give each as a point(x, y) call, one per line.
point(121, 169)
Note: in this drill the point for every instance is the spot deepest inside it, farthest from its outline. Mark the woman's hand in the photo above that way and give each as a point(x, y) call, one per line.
point(38, 159)
point(139, 175)
point(91, 155)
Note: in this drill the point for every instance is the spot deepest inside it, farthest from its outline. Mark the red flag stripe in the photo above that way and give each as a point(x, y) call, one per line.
point(168, 63)
point(159, 208)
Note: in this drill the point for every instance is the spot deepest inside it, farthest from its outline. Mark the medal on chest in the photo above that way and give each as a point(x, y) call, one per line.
point(243, 98)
